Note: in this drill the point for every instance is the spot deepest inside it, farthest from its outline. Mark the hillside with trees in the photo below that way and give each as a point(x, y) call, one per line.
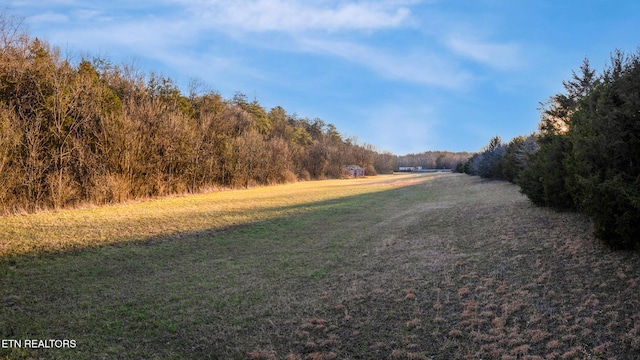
point(586, 155)
point(89, 131)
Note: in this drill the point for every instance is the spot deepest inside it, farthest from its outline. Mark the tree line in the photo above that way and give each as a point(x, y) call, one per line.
point(89, 131)
point(432, 159)
point(586, 154)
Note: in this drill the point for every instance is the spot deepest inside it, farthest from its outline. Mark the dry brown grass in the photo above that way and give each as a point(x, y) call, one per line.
point(455, 268)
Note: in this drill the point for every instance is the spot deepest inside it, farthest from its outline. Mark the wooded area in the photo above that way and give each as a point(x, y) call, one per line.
point(586, 155)
point(90, 131)
point(433, 159)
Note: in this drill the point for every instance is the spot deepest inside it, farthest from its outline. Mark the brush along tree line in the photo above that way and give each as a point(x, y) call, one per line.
point(94, 132)
point(586, 154)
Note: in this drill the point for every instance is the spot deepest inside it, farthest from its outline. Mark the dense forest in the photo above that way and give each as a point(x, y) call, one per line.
point(79, 131)
point(586, 155)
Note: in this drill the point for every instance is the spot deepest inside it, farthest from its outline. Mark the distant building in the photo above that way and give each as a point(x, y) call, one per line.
point(355, 170)
point(410, 168)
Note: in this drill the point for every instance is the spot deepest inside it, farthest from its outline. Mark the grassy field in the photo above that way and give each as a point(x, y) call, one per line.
point(440, 266)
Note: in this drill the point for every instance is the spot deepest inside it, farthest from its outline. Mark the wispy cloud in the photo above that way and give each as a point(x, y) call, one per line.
point(295, 16)
point(319, 27)
point(345, 30)
point(502, 56)
point(420, 68)
point(49, 17)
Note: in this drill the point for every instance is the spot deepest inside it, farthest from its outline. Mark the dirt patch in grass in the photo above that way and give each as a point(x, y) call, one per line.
point(443, 266)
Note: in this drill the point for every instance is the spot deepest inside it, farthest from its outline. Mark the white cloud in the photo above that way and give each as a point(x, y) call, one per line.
point(420, 68)
point(27, 3)
point(501, 56)
point(49, 17)
point(296, 16)
point(341, 29)
point(87, 14)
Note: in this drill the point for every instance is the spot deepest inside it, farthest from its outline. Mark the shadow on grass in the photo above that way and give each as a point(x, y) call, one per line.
point(447, 269)
point(211, 293)
point(79, 234)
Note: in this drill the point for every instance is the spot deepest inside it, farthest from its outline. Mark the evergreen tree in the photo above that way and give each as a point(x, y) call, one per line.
point(547, 180)
point(488, 163)
point(605, 160)
point(517, 156)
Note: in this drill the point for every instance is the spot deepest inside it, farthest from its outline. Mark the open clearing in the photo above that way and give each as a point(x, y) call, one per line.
point(439, 266)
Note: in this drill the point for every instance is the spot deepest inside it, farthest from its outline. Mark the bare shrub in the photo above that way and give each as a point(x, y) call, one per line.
point(63, 190)
point(304, 175)
point(111, 188)
point(9, 173)
point(288, 176)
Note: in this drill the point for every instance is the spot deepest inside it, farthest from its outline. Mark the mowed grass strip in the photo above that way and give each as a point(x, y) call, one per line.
point(77, 229)
point(442, 266)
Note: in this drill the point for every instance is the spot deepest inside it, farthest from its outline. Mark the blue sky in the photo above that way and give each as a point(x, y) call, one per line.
point(403, 75)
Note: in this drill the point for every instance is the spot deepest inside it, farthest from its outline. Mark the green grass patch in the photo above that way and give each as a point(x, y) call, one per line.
point(440, 266)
